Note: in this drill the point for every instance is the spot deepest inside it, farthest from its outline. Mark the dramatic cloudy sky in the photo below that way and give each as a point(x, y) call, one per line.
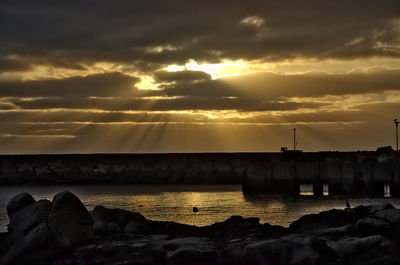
point(198, 76)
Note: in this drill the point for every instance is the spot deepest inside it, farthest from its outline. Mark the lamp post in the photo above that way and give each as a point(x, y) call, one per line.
point(294, 139)
point(396, 122)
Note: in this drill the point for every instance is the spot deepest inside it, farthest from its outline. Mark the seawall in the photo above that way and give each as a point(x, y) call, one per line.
point(213, 168)
point(341, 172)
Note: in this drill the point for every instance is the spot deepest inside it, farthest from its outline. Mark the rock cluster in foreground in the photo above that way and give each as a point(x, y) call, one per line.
point(63, 232)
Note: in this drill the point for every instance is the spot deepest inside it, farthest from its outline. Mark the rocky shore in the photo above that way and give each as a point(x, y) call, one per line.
point(64, 232)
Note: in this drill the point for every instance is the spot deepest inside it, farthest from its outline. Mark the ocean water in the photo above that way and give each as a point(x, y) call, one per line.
point(175, 203)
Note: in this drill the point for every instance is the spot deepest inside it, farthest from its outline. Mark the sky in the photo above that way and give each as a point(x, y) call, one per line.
point(125, 76)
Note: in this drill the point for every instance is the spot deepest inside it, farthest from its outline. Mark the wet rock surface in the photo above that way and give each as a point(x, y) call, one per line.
point(63, 231)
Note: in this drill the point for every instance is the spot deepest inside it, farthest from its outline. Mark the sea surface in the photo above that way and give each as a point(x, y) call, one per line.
point(175, 203)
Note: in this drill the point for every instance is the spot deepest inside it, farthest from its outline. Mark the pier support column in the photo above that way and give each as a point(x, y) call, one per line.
point(294, 185)
point(318, 189)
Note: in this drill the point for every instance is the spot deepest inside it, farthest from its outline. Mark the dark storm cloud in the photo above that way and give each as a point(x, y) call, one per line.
point(74, 32)
point(259, 86)
point(193, 91)
point(13, 65)
point(69, 116)
point(181, 76)
point(186, 103)
point(109, 84)
point(270, 86)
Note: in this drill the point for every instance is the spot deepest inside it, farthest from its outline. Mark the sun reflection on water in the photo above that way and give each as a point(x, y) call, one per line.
point(175, 203)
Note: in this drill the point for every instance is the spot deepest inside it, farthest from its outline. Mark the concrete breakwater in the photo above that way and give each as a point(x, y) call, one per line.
point(214, 168)
point(339, 172)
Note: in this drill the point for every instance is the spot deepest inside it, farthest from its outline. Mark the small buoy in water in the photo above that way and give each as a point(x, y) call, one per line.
point(195, 209)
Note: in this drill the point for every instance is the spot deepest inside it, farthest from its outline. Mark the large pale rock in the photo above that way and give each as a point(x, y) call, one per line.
point(18, 202)
point(69, 220)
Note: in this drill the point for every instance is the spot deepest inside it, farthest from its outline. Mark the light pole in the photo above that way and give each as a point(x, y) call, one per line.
point(294, 139)
point(396, 122)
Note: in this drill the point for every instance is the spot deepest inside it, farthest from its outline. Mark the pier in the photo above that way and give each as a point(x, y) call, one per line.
point(365, 173)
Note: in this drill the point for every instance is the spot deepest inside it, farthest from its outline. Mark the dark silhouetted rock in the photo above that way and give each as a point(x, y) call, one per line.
point(18, 202)
point(371, 226)
point(136, 228)
point(371, 209)
point(191, 250)
point(27, 234)
point(326, 219)
point(69, 220)
point(100, 227)
point(336, 231)
point(119, 216)
point(108, 221)
point(235, 225)
point(112, 228)
point(32, 248)
point(391, 215)
point(62, 232)
point(28, 217)
point(353, 245)
point(292, 249)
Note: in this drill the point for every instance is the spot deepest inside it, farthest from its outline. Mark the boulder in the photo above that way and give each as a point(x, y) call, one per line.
point(28, 217)
point(18, 202)
point(118, 216)
point(32, 248)
point(191, 250)
point(136, 228)
point(27, 233)
point(100, 227)
point(193, 256)
point(336, 231)
point(109, 221)
point(391, 215)
point(370, 226)
point(69, 220)
point(326, 219)
point(235, 226)
point(294, 249)
point(112, 228)
point(353, 245)
point(371, 209)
